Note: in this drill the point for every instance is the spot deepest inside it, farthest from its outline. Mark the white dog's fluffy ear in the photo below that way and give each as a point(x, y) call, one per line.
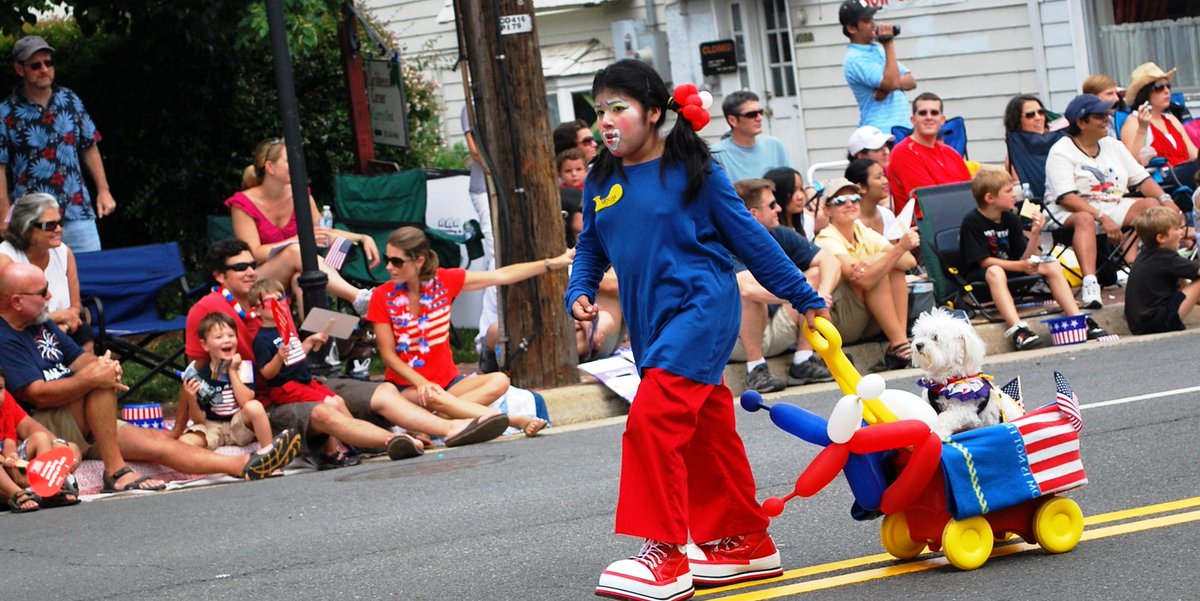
point(973, 351)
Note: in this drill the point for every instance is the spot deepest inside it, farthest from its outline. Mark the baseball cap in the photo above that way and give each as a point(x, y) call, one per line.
point(853, 11)
point(29, 46)
point(867, 137)
point(1086, 104)
point(837, 185)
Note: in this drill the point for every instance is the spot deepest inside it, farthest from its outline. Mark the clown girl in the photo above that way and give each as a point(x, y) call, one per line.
point(663, 213)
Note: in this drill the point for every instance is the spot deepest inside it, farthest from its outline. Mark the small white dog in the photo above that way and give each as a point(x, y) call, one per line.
point(951, 353)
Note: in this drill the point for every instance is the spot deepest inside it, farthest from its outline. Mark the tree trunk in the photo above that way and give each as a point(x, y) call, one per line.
point(513, 131)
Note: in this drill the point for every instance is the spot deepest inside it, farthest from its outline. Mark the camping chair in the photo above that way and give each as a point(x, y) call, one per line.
point(952, 134)
point(942, 211)
point(378, 204)
point(1027, 154)
point(120, 290)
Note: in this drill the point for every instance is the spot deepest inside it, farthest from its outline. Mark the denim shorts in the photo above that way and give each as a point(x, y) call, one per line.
point(81, 235)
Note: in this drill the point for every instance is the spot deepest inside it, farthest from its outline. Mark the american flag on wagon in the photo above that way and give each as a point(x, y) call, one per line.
point(339, 247)
point(991, 468)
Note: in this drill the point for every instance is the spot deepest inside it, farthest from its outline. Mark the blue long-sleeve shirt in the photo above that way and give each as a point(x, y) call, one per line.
point(676, 279)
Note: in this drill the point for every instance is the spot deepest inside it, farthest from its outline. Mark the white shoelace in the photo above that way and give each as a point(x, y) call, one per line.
point(725, 544)
point(652, 554)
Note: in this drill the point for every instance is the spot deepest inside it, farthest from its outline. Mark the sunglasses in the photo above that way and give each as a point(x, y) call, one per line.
point(929, 113)
point(753, 114)
point(588, 141)
point(42, 293)
point(48, 226)
point(1032, 114)
point(774, 204)
point(838, 201)
point(397, 262)
point(243, 266)
point(49, 63)
point(1160, 86)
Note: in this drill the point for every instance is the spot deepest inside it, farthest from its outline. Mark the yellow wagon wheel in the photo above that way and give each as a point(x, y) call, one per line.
point(1058, 524)
point(967, 543)
point(893, 533)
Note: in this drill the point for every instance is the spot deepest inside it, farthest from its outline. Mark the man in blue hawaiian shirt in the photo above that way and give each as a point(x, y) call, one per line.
point(46, 137)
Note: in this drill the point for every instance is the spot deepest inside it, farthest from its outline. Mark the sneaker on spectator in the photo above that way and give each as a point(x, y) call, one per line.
point(1024, 338)
point(734, 559)
point(659, 572)
point(1094, 331)
point(811, 371)
point(1090, 296)
point(761, 379)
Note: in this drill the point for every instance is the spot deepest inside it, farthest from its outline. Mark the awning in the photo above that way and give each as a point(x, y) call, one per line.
point(575, 58)
point(446, 15)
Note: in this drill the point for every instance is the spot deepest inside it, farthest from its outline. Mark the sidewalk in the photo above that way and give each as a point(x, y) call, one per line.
point(592, 401)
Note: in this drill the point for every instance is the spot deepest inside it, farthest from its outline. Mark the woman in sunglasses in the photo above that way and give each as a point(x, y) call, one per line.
point(873, 211)
point(1152, 126)
point(873, 267)
point(265, 218)
point(35, 236)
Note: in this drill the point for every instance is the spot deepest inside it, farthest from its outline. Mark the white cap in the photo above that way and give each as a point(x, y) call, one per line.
point(867, 137)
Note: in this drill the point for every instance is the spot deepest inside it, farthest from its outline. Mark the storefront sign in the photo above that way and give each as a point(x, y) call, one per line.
point(718, 57)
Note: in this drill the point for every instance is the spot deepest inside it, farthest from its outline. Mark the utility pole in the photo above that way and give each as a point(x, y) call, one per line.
point(512, 127)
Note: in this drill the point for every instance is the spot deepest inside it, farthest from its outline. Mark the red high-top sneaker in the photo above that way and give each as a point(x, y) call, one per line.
point(734, 559)
point(659, 572)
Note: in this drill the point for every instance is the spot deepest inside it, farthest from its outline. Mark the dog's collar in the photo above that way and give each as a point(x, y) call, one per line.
point(971, 387)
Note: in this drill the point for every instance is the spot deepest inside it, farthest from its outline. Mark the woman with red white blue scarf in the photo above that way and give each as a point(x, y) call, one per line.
point(411, 317)
point(662, 213)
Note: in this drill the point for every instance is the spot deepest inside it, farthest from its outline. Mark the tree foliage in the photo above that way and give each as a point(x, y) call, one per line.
point(183, 91)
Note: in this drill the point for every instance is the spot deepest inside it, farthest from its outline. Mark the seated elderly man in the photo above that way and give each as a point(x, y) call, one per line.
point(759, 337)
point(74, 394)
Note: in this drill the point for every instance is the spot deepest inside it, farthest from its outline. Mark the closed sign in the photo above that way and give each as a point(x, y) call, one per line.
point(718, 57)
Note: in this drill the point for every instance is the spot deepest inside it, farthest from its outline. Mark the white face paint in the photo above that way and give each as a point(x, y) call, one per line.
point(619, 119)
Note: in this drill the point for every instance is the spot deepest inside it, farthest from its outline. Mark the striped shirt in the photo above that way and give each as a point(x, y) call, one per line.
point(431, 322)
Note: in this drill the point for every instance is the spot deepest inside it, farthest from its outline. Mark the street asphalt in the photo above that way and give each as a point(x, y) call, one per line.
point(532, 518)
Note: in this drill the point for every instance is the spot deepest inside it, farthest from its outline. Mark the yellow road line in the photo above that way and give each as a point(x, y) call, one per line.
point(932, 562)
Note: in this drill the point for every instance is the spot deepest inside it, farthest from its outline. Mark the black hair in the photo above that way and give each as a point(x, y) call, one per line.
point(220, 251)
point(1143, 95)
point(1012, 112)
point(857, 170)
point(566, 135)
point(785, 186)
point(735, 100)
point(683, 146)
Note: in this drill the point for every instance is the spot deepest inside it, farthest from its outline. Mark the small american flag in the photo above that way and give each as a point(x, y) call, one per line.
point(339, 247)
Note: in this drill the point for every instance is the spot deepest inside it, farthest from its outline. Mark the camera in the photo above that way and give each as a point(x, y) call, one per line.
point(888, 38)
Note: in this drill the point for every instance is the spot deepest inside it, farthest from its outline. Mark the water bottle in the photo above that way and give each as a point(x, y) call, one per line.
point(326, 217)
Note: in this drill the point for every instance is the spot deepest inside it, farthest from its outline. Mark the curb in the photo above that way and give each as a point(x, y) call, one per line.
point(592, 401)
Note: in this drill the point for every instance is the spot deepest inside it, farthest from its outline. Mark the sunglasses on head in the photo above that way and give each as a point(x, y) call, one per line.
point(243, 266)
point(753, 114)
point(1160, 86)
point(929, 113)
point(38, 65)
point(47, 226)
point(397, 262)
point(1032, 114)
point(838, 201)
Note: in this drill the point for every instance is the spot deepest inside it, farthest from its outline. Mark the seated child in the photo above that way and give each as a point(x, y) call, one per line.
point(220, 404)
point(572, 168)
point(284, 383)
point(994, 248)
point(24, 439)
point(1154, 299)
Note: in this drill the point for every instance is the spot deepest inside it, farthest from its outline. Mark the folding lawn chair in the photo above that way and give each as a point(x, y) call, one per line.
point(120, 290)
point(378, 204)
point(952, 134)
point(942, 211)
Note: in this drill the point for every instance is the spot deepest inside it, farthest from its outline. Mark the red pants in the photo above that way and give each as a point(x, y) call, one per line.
point(683, 466)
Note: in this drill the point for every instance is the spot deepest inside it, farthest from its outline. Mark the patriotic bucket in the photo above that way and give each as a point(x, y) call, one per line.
point(147, 415)
point(1069, 329)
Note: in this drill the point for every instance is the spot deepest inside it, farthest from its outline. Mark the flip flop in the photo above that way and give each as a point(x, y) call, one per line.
point(403, 447)
point(481, 429)
point(110, 483)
